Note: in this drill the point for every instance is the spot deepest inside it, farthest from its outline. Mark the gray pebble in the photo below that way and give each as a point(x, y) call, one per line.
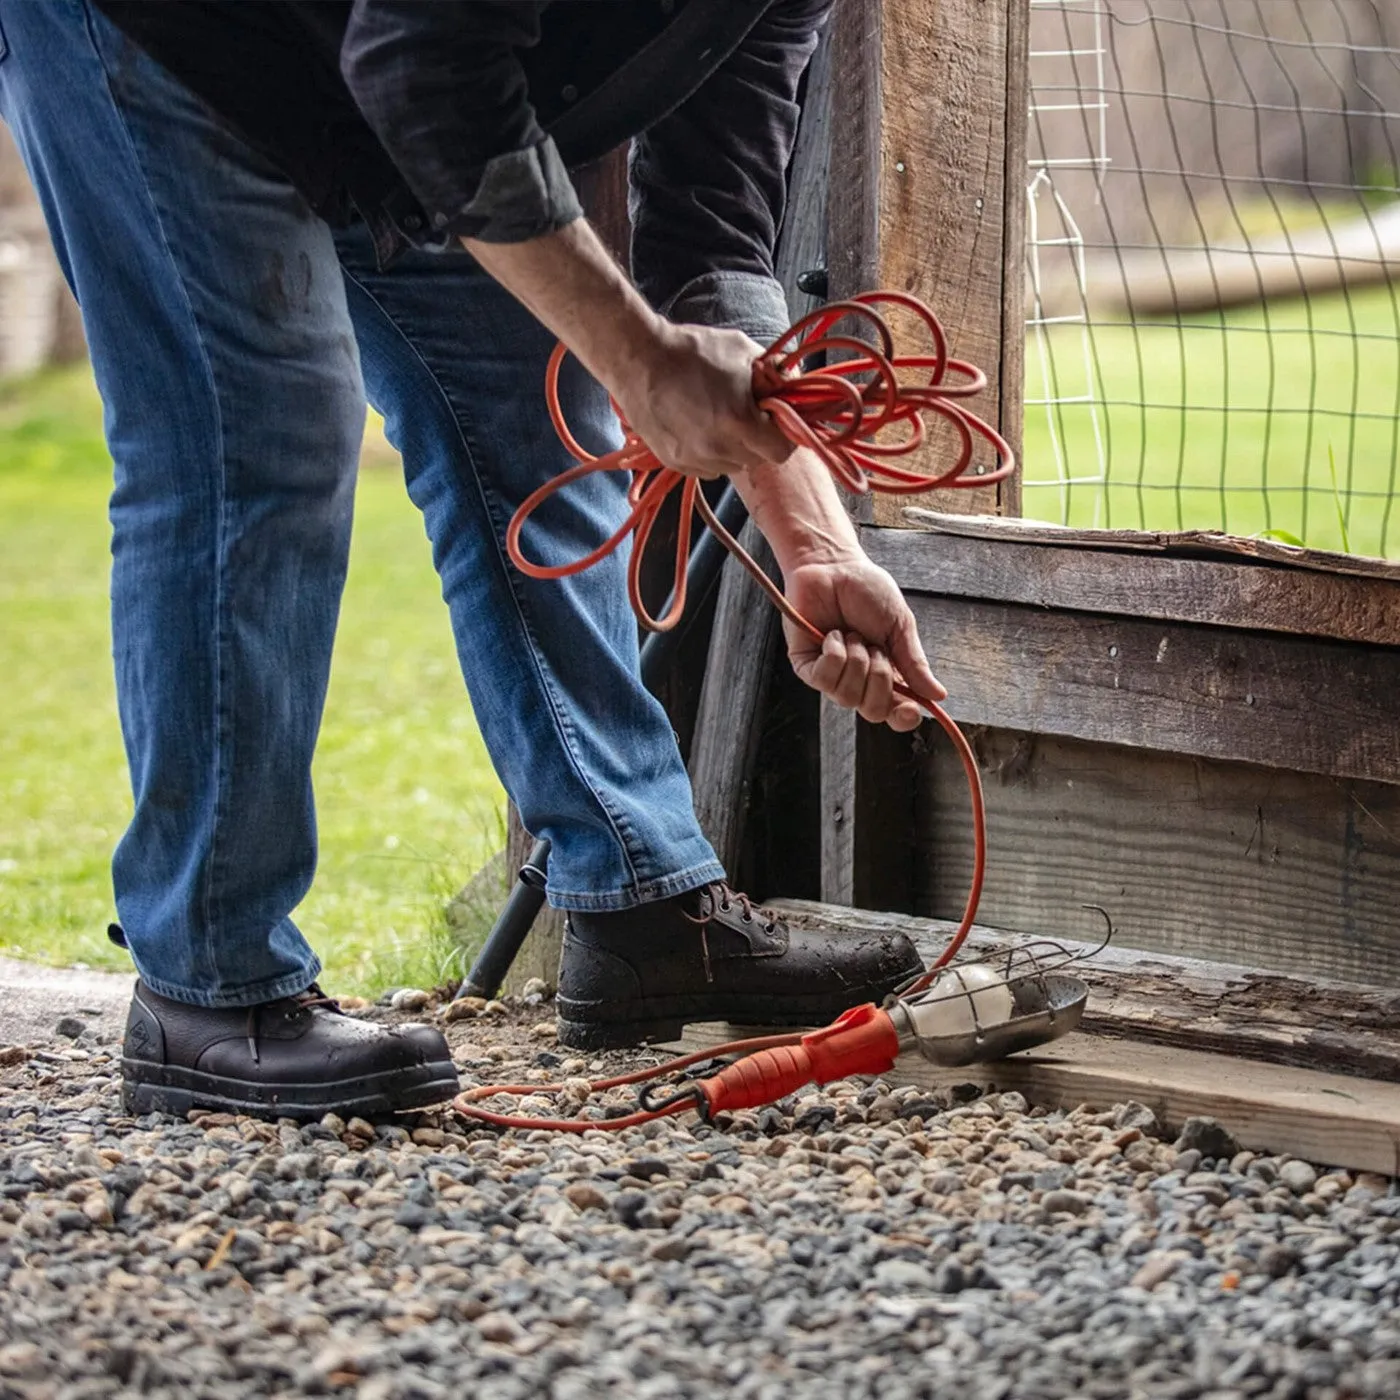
point(862, 1239)
point(1299, 1177)
point(1207, 1137)
point(1070, 1202)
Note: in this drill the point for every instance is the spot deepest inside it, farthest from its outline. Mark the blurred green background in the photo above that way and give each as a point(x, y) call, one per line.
point(409, 805)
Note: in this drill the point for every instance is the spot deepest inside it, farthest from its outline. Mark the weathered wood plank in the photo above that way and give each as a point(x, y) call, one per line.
point(1326, 1118)
point(744, 647)
point(1287, 871)
point(1309, 705)
point(943, 194)
point(1192, 543)
point(928, 151)
point(1252, 1013)
point(853, 221)
point(868, 815)
point(853, 262)
point(1011, 381)
point(838, 798)
point(1214, 592)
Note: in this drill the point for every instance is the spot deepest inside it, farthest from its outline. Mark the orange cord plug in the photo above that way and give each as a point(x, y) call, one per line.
point(862, 1040)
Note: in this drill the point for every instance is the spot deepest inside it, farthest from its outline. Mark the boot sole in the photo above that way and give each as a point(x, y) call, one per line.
point(148, 1087)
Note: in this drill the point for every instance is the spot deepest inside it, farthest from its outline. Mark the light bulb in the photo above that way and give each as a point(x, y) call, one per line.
point(947, 1007)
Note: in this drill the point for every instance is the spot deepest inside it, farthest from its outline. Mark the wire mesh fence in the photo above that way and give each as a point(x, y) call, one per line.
point(1213, 335)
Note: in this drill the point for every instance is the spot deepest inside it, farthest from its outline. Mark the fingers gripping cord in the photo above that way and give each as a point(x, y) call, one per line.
point(859, 416)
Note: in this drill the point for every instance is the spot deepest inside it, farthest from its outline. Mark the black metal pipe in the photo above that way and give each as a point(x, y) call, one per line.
point(522, 907)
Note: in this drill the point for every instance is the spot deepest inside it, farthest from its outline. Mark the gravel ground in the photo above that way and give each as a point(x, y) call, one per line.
point(856, 1242)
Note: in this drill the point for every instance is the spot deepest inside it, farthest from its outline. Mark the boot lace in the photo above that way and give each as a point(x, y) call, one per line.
point(719, 898)
point(312, 996)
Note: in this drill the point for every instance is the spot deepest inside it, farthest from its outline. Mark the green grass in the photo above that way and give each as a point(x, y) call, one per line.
point(1265, 466)
point(409, 806)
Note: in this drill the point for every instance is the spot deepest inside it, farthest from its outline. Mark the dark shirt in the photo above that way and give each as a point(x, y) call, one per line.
point(434, 119)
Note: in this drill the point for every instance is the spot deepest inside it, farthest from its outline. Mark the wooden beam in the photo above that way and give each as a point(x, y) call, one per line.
point(868, 816)
point(1287, 702)
point(744, 648)
point(838, 798)
point(1011, 380)
point(1326, 1118)
point(1214, 592)
point(1194, 544)
point(929, 156)
point(1246, 1012)
point(853, 221)
point(1290, 871)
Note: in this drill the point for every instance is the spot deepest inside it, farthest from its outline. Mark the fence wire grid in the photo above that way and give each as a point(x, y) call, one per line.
point(1213, 230)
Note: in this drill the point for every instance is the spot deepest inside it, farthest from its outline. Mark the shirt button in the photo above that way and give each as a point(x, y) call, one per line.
point(569, 92)
point(439, 220)
point(412, 223)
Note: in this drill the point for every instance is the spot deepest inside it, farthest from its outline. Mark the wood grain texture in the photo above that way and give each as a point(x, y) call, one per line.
point(1314, 706)
point(1011, 382)
point(1245, 594)
point(1196, 544)
point(943, 194)
point(1291, 872)
point(868, 815)
point(853, 221)
point(1247, 1012)
point(745, 645)
point(745, 641)
point(838, 798)
point(1327, 1118)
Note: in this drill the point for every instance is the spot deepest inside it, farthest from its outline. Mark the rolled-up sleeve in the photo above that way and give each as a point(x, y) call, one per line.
point(442, 87)
point(709, 182)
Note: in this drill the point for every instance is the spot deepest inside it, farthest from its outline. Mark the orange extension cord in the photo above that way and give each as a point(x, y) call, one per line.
point(840, 418)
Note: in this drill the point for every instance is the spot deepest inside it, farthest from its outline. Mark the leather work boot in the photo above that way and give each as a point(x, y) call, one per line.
point(641, 974)
point(298, 1057)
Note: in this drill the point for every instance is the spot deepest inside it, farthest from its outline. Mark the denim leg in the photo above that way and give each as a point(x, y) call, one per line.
point(456, 366)
point(215, 311)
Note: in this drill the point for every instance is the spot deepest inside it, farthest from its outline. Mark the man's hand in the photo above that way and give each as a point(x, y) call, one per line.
point(692, 403)
point(870, 634)
point(687, 391)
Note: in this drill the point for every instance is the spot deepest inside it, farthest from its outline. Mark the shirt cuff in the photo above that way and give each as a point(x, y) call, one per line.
point(741, 301)
point(522, 195)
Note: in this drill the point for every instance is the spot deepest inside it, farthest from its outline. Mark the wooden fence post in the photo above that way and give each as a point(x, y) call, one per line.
point(928, 165)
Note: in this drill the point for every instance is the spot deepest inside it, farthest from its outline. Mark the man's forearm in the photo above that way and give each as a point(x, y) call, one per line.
point(798, 508)
point(571, 284)
point(686, 391)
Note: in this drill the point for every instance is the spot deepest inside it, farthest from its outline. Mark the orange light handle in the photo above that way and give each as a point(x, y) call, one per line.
point(862, 1040)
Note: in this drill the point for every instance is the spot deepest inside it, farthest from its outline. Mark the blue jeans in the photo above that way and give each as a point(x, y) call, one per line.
point(234, 338)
